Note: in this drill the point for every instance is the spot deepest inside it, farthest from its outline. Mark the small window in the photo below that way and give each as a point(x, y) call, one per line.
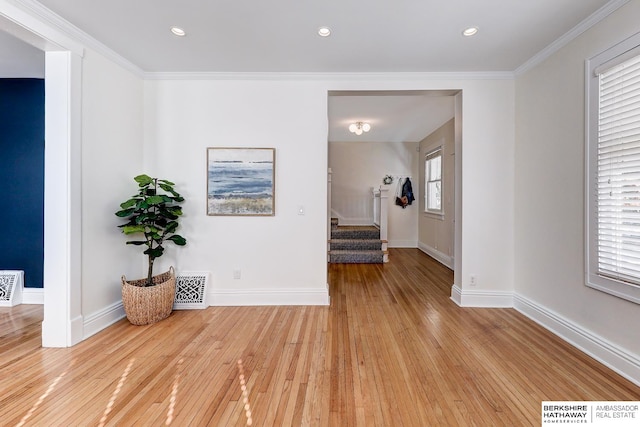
point(613, 170)
point(433, 181)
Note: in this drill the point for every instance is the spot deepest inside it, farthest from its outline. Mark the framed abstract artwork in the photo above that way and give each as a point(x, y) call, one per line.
point(241, 181)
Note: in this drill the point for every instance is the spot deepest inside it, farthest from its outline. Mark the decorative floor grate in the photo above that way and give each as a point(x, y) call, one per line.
point(11, 283)
point(191, 291)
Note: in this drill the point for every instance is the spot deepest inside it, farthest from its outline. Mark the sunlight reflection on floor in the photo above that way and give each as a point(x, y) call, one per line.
point(44, 395)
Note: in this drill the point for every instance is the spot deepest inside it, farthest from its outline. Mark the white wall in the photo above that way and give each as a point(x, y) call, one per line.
point(112, 150)
point(549, 201)
point(487, 195)
point(436, 233)
point(283, 258)
point(358, 166)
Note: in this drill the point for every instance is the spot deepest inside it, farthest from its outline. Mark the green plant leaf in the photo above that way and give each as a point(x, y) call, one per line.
point(178, 240)
point(154, 200)
point(166, 214)
point(166, 182)
point(130, 223)
point(171, 227)
point(129, 203)
point(154, 252)
point(174, 210)
point(131, 229)
point(143, 180)
point(168, 188)
point(137, 242)
point(144, 218)
point(125, 212)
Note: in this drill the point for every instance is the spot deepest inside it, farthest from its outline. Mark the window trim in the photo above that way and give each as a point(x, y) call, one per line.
point(593, 67)
point(438, 151)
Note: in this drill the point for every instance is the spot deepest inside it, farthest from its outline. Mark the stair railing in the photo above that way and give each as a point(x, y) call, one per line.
point(381, 214)
point(376, 206)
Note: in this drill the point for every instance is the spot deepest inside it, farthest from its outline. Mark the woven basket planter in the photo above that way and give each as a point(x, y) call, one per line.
point(149, 304)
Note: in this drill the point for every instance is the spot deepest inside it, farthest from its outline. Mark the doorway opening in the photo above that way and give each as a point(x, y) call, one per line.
point(404, 127)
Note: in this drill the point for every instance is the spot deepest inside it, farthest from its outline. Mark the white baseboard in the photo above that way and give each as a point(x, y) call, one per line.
point(402, 244)
point(76, 330)
point(442, 258)
point(253, 297)
point(607, 353)
point(32, 296)
point(485, 299)
point(456, 295)
point(102, 319)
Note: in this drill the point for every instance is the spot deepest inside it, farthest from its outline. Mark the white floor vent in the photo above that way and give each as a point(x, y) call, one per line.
point(11, 284)
point(191, 290)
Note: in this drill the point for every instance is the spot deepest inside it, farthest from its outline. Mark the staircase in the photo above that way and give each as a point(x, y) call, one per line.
point(356, 245)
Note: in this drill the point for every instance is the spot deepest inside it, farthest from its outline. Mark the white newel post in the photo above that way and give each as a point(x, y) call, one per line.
point(384, 216)
point(328, 212)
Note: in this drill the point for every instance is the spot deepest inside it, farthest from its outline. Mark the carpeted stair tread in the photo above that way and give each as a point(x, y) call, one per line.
point(355, 232)
point(356, 257)
point(356, 244)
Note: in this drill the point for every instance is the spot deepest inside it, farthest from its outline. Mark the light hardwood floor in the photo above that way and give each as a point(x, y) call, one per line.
point(391, 350)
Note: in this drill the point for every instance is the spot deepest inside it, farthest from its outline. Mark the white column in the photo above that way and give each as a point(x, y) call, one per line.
point(62, 325)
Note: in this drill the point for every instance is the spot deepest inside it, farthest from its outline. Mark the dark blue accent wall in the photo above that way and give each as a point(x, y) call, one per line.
point(22, 178)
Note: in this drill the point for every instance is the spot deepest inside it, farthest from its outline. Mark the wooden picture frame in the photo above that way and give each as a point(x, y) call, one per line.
point(241, 181)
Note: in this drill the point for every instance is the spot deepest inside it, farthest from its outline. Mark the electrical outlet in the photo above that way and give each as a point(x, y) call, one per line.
point(473, 280)
point(236, 274)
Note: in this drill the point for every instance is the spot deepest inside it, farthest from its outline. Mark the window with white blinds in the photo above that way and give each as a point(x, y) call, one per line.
point(613, 171)
point(433, 181)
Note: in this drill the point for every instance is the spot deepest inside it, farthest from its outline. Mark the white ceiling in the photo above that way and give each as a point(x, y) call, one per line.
point(367, 35)
point(281, 36)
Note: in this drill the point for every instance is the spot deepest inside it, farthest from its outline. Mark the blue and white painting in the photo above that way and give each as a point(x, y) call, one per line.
point(240, 181)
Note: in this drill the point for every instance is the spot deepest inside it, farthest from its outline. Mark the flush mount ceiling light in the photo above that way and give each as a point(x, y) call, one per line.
point(177, 31)
point(324, 31)
point(471, 31)
point(359, 127)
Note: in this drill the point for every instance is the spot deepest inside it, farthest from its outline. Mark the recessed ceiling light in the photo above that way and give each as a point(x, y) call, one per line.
point(178, 31)
point(471, 31)
point(324, 31)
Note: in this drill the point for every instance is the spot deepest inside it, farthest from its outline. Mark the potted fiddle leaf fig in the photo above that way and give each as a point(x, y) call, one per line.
point(152, 216)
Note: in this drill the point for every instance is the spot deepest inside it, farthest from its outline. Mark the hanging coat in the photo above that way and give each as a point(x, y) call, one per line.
point(407, 191)
point(400, 199)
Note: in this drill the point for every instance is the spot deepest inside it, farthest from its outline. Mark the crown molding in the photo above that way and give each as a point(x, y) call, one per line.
point(308, 76)
point(63, 26)
point(570, 35)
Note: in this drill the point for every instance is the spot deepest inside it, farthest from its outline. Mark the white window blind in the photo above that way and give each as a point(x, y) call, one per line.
point(618, 171)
